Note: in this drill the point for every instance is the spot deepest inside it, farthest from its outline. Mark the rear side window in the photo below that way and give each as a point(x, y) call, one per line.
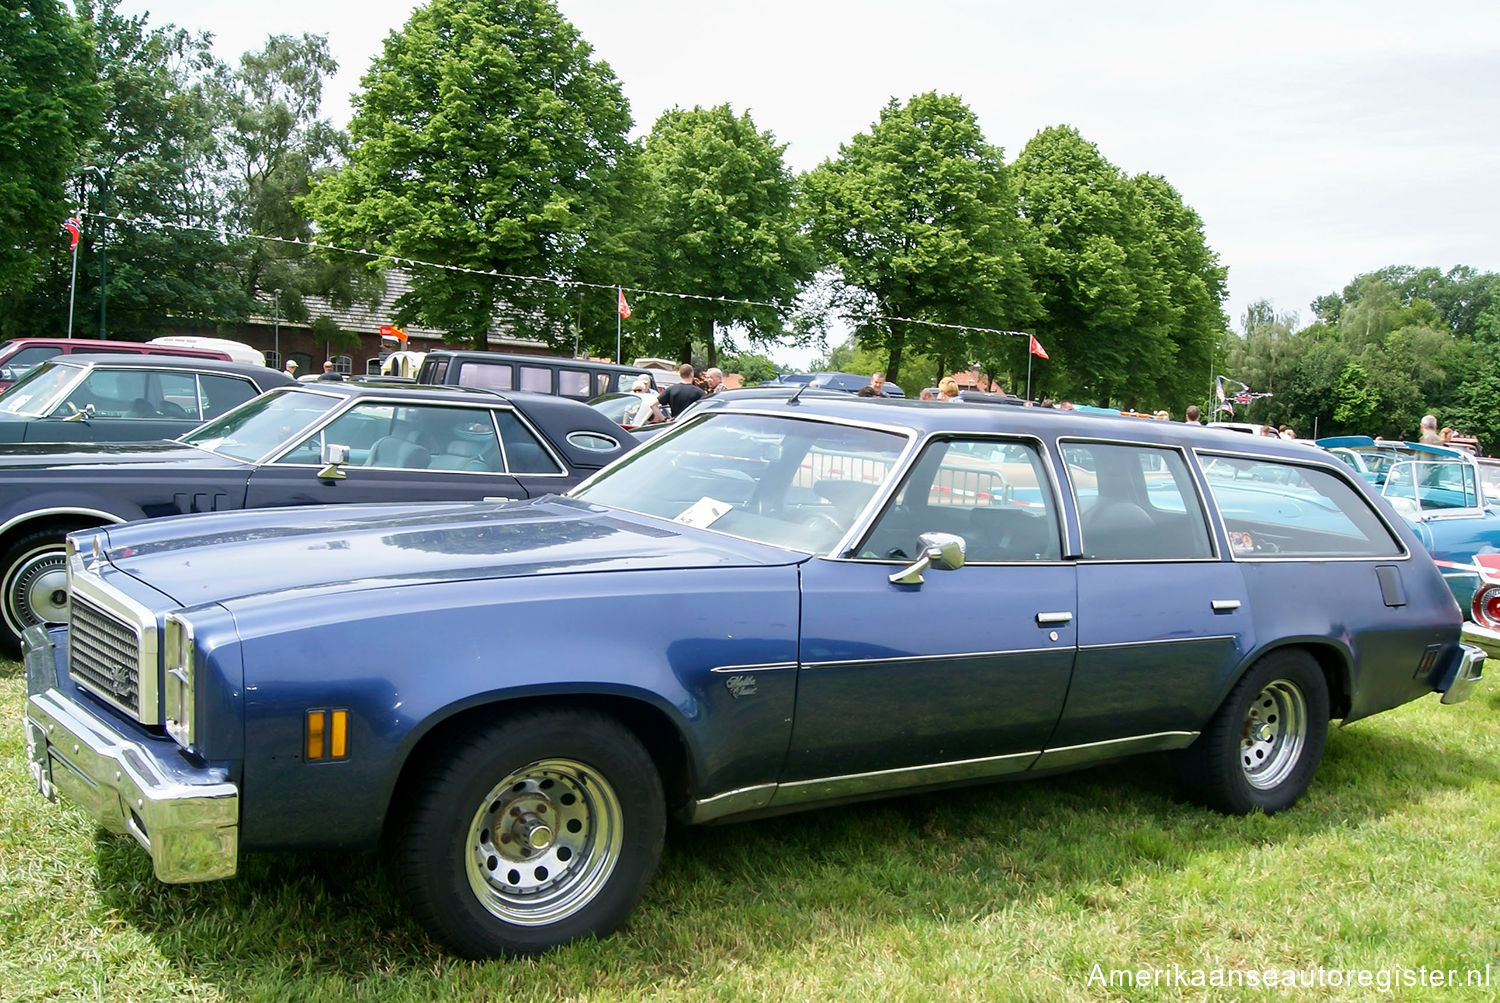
point(220, 393)
point(1136, 503)
point(487, 375)
point(573, 383)
point(523, 453)
point(536, 379)
point(1278, 509)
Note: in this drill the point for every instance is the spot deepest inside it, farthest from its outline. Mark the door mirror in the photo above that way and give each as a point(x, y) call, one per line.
point(335, 456)
point(944, 551)
point(74, 414)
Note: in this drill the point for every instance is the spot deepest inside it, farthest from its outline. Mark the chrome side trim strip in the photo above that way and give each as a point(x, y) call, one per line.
point(731, 803)
point(829, 788)
point(762, 667)
point(1073, 755)
point(836, 663)
point(1160, 640)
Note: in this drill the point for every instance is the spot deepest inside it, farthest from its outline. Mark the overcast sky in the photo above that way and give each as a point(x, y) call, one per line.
point(1317, 140)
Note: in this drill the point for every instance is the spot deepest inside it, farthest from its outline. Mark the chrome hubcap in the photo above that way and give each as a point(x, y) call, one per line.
point(39, 589)
point(544, 842)
point(1274, 734)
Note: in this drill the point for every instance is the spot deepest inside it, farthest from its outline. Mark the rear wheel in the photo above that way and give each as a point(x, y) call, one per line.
point(1263, 745)
point(33, 583)
point(529, 833)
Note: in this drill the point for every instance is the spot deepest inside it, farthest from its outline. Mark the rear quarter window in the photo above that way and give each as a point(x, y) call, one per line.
point(1273, 509)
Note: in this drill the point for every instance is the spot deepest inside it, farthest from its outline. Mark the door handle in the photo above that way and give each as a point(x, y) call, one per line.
point(1045, 619)
point(1225, 605)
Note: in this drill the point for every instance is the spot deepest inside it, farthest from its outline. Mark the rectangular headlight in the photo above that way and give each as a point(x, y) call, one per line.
point(180, 663)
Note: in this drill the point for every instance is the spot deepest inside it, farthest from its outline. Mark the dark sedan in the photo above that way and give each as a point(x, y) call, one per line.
point(126, 398)
point(299, 445)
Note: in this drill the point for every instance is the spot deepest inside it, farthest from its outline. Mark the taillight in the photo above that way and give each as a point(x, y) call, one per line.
point(1486, 605)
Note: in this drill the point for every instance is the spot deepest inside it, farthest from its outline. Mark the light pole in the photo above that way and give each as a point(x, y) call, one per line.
point(276, 326)
point(103, 229)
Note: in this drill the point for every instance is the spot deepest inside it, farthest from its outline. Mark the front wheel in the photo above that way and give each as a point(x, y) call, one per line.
point(529, 833)
point(33, 584)
point(1263, 745)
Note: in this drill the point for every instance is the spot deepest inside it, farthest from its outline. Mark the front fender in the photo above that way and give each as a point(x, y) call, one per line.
point(713, 651)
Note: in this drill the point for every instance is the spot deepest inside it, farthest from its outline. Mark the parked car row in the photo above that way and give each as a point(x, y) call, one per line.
point(848, 598)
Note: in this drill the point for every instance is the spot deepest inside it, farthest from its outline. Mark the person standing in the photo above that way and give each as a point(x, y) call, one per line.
point(713, 379)
point(947, 389)
point(329, 375)
point(291, 368)
point(1430, 436)
point(877, 384)
point(678, 397)
point(1192, 415)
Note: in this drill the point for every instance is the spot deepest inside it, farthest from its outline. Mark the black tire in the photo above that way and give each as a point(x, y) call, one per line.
point(583, 821)
point(33, 575)
point(1263, 745)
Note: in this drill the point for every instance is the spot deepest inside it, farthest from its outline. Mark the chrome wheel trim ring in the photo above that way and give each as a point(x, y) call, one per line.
point(544, 842)
point(1274, 734)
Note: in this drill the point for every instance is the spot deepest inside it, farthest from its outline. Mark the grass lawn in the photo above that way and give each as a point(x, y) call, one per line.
point(1014, 891)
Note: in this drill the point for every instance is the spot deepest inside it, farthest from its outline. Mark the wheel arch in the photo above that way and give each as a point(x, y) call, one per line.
point(653, 728)
point(1333, 661)
point(77, 516)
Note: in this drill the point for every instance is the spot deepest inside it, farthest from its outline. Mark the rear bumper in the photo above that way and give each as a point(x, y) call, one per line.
point(1470, 668)
point(186, 817)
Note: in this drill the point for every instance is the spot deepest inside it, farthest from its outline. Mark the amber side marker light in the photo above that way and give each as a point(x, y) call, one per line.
point(327, 734)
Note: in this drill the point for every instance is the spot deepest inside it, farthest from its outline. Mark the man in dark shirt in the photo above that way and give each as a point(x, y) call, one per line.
point(329, 375)
point(679, 396)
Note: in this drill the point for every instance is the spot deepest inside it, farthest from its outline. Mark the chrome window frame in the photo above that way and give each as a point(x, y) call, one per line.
point(1049, 471)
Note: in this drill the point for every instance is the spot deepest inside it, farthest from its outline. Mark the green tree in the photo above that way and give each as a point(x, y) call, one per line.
point(152, 177)
point(486, 139)
point(49, 106)
point(274, 142)
point(1355, 402)
point(1131, 292)
point(720, 227)
point(918, 217)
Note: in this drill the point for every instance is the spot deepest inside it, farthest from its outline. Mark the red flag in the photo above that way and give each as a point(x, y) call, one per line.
point(1036, 348)
point(73, 225)
point(624, 307)
point(392, 331)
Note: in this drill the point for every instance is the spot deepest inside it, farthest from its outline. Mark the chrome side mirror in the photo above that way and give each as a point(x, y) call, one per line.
point(944, 551)
point(77, 415)
point(335, 456)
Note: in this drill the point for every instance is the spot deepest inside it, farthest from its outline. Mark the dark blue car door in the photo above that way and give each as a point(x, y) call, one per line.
point(1163, 620)
point(959, 677)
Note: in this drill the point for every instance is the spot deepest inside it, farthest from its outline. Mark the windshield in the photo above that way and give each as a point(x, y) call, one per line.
point(256, 428)
point(40, 391)
point(789, 482)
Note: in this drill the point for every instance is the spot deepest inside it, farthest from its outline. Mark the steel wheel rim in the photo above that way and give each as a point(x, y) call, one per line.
point(37, 589)
point(544, 842)
point(1274, 734)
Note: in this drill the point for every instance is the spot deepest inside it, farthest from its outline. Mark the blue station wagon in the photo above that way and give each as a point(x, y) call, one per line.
point(847, 598)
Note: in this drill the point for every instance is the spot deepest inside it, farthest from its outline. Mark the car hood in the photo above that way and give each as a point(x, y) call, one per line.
point(296, 553)
point(162, 452)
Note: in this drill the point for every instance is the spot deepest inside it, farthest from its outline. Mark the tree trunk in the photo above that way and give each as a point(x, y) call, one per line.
point(707, 333)
point(893, 361)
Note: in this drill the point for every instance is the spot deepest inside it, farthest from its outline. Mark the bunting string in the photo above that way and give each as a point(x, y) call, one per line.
point(404, 261)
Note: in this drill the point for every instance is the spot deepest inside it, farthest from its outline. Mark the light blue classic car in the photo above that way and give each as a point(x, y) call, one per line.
point(1450, 497)
point(847, 598)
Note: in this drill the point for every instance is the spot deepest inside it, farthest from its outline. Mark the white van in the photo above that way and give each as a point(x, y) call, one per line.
point(238, 351)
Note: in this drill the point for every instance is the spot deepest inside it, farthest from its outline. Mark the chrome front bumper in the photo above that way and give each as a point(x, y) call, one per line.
point(186, 817)
point(1482, 637)
point(1470, 669)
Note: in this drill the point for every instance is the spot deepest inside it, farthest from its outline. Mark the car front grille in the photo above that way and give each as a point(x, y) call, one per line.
point(112, 648)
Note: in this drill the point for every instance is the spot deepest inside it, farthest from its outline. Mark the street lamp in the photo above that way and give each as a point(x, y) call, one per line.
point(103, 229)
